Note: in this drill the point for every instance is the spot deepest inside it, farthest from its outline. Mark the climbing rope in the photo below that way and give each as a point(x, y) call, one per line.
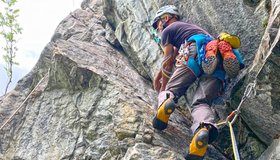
point(233, 141)
point(21, 105)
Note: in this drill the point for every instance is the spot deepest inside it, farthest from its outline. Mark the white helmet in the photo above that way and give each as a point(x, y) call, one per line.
point(165, 9)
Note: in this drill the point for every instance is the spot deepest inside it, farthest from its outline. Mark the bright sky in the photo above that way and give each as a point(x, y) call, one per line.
point(39, 19)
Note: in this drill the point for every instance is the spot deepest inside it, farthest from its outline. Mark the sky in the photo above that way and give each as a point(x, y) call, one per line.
point(39, 19)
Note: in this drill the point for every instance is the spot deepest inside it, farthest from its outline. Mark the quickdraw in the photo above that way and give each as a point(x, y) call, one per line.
point(182, 58)
point(234, 114)
point(232, 117)
point(155, 36)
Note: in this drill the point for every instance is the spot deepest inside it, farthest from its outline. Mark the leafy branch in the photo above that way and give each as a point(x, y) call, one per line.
point(9, 30)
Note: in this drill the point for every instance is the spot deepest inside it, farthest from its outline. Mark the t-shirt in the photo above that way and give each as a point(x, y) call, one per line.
point(177, 32)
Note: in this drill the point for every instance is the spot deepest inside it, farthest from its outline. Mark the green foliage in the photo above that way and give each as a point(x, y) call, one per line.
point(265, 22)
point(9, 30)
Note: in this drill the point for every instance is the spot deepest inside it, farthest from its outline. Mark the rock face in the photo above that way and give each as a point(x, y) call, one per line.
point(262, 112)
point(273, 151)
point(90, 95)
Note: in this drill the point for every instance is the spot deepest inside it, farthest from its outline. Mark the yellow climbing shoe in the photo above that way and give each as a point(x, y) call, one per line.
point(199, 144)
point(164, 111)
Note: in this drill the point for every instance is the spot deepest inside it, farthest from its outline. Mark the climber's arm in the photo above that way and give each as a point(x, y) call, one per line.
point(167, 64)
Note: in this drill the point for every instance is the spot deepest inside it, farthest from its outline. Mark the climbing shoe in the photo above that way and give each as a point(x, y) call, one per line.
point(198, 146)
point(164, 111)
point(210, 62)
point(230, 61)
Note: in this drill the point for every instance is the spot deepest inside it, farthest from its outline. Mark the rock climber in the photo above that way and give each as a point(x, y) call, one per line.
point(195, 55)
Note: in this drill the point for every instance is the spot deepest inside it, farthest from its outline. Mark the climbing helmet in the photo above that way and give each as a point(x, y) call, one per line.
point(168, 9)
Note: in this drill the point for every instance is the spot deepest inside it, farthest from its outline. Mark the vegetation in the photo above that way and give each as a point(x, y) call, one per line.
point(9, 31)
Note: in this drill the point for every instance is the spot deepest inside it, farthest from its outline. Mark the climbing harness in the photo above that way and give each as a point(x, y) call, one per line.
point(21, 105)
point(182, 58)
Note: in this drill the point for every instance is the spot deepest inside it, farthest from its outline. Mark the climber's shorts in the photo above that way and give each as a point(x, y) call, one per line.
point(183, 76)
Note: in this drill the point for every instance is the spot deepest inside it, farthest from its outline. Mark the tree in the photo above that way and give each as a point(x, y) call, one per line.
point(9, 30)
